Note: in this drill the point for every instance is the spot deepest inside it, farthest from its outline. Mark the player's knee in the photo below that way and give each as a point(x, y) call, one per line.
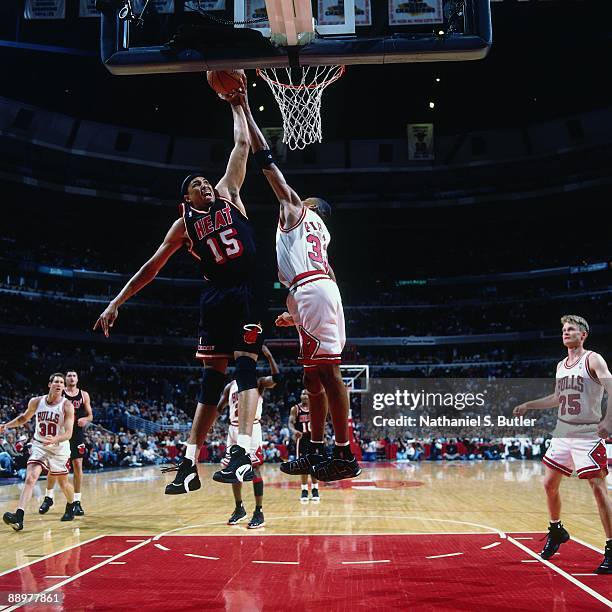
point(211, 387)
point(246, 373)
point(31, 479)
point(551, 485)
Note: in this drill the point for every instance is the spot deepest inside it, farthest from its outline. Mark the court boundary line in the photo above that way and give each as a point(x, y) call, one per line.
point(83, 573)
point(587, 589)
point(59, 552)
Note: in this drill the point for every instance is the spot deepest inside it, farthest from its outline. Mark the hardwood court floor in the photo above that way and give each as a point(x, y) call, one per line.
point(386, 498)
point(434, 510)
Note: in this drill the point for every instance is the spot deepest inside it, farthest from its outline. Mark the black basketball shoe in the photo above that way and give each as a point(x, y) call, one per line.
point(14, 520)
point(314, 495)
point(78, 509)
point(46, 504)
point(557, 535)
point(239, 468)
point(238, 515)
point(69, 513)
point(302, 465)
point(606, 564)
point(336, 469)
point(304, 496)
point(257, 520)
point(186, 480)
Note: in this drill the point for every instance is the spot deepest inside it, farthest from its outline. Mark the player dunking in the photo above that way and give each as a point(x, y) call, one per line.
point(215, 229)
point(577, 443)
point(82, 416)
point(299, 426)
point(230, 396)
point(50, 446)
point(315, 308)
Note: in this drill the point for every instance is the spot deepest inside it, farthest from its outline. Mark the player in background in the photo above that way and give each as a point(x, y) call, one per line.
point(315, 308)
point(215, 229)
point(299, 426)
point(230, 396)
point(578, 442)
point(83, 415)
point(50, 446)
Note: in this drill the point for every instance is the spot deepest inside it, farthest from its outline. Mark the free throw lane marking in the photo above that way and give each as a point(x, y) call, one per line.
point(441, 556)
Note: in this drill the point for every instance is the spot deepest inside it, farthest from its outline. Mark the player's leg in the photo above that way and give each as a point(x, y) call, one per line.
point(239, 467)
point(239, 513)
point(557, 534)
point(599, 487)
point(204, 417)
point(313, 452)
point(304, 487)
point(15, 519)
point(314, 491)
point(257, 520)
point(47, 502)
point(68, 491)
point(76, 459)
point(343, 463)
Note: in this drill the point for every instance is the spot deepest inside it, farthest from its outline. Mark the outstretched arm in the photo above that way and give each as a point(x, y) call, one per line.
point(224, 399)
point(23, 418)
point(290, 203)
point(174, 240)
point(268, 382)
point(230, 184)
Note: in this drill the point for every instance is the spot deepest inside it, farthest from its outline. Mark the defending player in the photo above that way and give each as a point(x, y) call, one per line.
point(215, 229)
point(82, 415)
point(230, 396)
point(50, 446)
point(577, 443)
point(315, 308)
point(299, 426)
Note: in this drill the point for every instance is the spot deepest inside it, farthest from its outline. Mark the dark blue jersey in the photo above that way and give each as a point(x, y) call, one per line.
point(222, 239)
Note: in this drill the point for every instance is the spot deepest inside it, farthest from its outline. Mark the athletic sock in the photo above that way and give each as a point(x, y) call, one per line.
point(305, 487)
point(49, 493)
point(317, 448)
point(77, 497)
point(190, 452)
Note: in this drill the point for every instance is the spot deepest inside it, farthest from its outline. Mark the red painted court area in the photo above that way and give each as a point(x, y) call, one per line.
point(318, 572)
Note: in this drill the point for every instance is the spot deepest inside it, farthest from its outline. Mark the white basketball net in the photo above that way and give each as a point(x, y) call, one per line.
point(299, 100)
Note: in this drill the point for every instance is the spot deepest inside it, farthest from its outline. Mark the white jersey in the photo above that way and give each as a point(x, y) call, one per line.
point(233, 403)
point(301, 250)
point(580, 395)
point(49, 419)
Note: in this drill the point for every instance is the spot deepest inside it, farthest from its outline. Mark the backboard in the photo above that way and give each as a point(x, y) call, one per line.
point(162, 36)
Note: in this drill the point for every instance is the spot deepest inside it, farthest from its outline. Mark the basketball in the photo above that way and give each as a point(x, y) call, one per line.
point(225, 81)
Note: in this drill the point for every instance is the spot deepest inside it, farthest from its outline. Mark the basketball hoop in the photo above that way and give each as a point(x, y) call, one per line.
point(300, 102)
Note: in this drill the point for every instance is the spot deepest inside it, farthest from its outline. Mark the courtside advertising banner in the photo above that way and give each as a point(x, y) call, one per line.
point(410, 13)
point(45, 9)
point(420, 141)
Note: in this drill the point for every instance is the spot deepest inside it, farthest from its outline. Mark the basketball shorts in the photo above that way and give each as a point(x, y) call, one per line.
point(316, 309)
point(302, 445)
point(256, 453)
point(587, 458)
point(230, 320)
point(77, 443)
point(55, 459)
